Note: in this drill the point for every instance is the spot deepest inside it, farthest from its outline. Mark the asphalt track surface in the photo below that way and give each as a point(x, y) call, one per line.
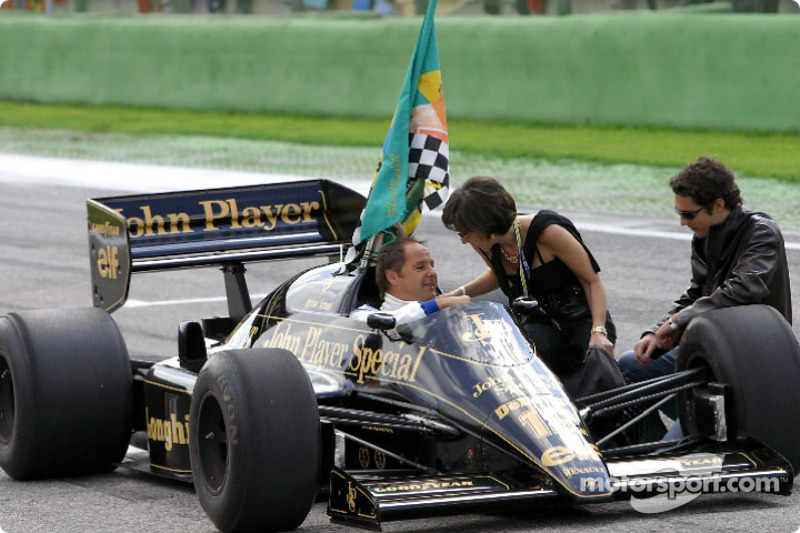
point(44, 263)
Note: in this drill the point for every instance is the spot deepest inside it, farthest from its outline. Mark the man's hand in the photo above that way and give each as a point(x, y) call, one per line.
point(663, 340)
point(666, 337)
point(643, 349)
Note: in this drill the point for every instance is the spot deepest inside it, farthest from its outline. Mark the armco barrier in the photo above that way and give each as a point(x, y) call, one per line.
point(687, 70)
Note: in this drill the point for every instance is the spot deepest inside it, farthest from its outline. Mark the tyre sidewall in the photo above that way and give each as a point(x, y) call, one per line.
point(17, 452)
point(753, 350)
point(272, 426)
point(215, 383)
point(72, 393)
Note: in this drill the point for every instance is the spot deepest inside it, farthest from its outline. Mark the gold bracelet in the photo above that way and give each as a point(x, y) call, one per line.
point(599, 329)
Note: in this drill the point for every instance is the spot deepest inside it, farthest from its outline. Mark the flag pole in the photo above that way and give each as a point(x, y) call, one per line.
point(413, 172)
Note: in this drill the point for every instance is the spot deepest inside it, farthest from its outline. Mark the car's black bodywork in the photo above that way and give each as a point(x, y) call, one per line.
point(451, 413)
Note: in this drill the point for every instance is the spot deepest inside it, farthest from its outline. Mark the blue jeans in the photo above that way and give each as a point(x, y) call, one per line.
point(662, 366)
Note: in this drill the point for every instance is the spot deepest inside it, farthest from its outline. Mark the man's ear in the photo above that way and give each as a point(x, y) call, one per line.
point(717, 206)
point(391, 276)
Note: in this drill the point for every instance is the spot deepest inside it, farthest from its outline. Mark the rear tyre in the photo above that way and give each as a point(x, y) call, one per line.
point(753, 350)
point(65, 393)
point(255, 440)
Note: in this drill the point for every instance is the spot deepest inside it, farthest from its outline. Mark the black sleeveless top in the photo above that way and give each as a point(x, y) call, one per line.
point(553, 278)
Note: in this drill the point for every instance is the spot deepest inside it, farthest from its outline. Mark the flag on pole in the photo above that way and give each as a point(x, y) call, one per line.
point(414, 169)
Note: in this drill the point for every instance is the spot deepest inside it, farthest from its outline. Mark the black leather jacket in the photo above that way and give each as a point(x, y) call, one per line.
point(742, 261)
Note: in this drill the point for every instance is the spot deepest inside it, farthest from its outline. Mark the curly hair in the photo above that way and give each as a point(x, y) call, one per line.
point(704, 181)
point(480, 204)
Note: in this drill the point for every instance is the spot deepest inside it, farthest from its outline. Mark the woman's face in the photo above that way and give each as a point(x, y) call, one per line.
point(478, 240)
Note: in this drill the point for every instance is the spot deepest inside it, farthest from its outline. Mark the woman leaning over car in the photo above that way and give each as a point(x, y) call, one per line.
point(541, 256)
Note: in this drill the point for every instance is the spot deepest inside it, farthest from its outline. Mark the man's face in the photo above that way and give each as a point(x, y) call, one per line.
point(416, 279)
point(697, 218)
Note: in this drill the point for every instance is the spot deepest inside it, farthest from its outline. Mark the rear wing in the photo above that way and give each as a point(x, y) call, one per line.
point(218, 227)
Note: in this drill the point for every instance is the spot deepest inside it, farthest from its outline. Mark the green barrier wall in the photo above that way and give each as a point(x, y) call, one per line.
point(687, 70)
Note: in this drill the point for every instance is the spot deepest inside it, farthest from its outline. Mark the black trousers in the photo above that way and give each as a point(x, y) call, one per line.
point(562, 342)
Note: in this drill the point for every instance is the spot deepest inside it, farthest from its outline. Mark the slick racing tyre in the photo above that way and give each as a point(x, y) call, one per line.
point(753, 350)
point(65, 393)
point(254, 440)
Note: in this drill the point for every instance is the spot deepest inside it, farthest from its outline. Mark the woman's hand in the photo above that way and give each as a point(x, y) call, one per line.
point(454, 292)
point(445, 301)
point(486, 282)
point(600, 340)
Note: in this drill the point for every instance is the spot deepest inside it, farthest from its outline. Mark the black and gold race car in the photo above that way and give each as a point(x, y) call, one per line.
point(290, 399)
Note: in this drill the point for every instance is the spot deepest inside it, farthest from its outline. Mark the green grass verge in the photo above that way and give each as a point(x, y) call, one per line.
point(754, 154)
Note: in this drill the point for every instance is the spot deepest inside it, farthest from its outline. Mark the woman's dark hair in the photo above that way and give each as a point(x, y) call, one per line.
point(480, 204)
point(704, 181)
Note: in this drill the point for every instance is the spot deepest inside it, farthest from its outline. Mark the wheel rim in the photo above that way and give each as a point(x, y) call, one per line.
point(6, 402)
point(689, 397)
point(213, 444)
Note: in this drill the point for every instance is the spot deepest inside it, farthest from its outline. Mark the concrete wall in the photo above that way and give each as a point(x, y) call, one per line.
point(691, 71)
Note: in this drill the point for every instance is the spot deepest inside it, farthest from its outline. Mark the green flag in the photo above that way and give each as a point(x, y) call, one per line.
point(414, 171)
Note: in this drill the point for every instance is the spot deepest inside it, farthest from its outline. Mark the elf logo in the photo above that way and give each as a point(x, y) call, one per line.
point(108, 262)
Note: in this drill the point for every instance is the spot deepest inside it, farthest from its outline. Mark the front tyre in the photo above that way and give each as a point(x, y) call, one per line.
point(255, 440)
point(65, 393)
point(752, 349)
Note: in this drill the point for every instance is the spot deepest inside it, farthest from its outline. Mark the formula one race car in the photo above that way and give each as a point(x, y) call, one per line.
point(279, 402)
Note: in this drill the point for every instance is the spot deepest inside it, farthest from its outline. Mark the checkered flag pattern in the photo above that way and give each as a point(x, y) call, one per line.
point(429, 159)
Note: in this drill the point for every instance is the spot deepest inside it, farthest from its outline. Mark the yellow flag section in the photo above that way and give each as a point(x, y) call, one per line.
point(429, 151)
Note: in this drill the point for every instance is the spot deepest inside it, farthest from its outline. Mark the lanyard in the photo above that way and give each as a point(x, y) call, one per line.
point(524, 269)
point(524, 273)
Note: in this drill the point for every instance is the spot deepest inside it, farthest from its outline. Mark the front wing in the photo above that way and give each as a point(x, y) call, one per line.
point(369, 498)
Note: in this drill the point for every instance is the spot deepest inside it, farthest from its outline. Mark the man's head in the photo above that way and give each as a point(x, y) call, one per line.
point(705, 192)
point(405, 270)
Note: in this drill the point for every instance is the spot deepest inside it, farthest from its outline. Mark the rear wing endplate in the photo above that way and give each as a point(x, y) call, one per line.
point(218, 227)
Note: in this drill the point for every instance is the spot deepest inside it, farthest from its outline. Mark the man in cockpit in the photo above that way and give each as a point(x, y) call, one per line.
point(407, 283)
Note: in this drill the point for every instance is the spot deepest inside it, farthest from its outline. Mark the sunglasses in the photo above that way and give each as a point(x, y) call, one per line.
point(688, 215)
